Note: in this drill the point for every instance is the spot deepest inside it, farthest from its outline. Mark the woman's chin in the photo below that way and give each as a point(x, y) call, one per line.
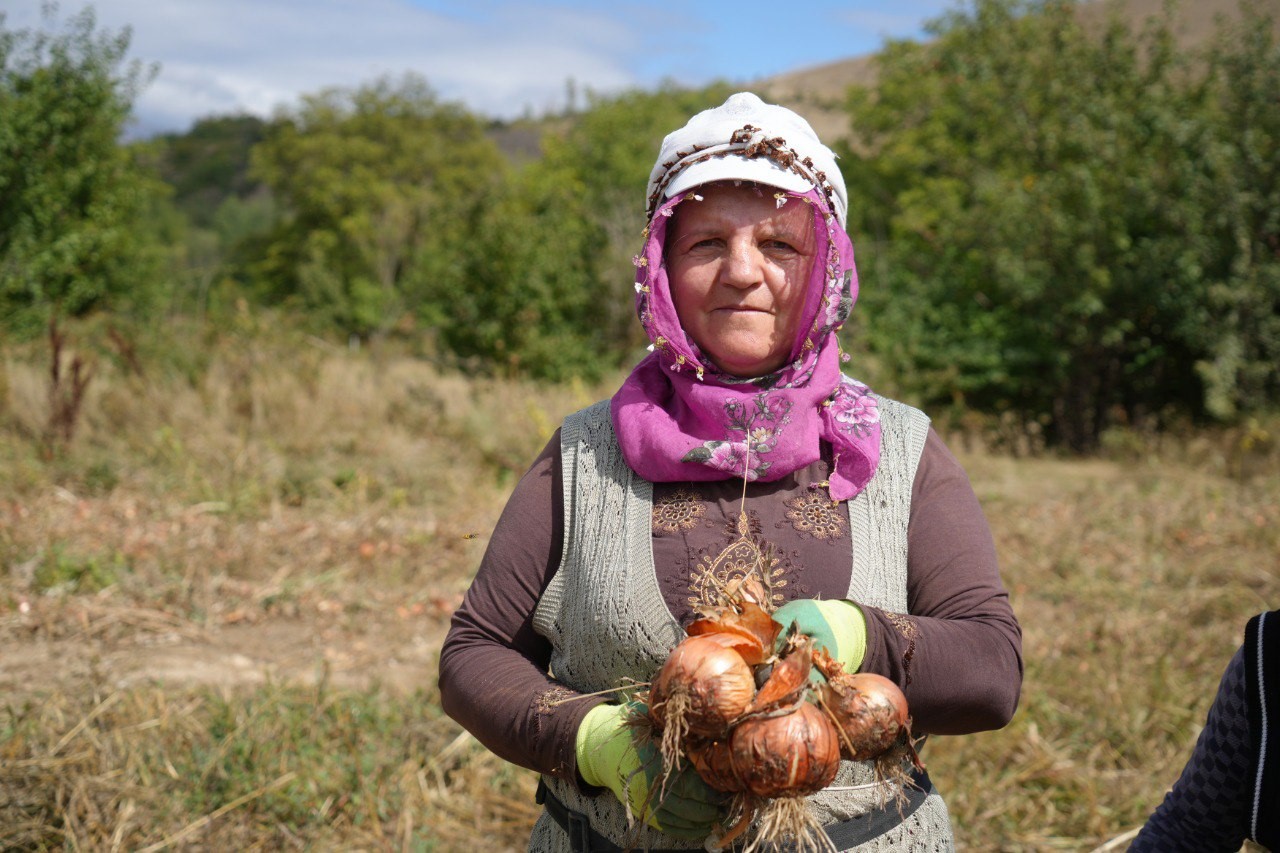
point(746, 348)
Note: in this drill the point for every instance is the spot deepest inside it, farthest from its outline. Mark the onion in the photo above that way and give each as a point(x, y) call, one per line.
point(791, 754)
point(702, 688)
point(773, 747)
point(870, 709)
point(788, 678)
point(714, 762)
point(772, 761)
point(792, 733)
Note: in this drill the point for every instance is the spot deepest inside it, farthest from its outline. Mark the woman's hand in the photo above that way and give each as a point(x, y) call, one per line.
point(610, 756)
point(835, 625)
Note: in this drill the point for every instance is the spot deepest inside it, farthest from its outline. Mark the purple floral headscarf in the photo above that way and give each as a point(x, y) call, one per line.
point(677, 417)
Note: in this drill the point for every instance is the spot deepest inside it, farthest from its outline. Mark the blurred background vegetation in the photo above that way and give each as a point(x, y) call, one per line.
point(265, 386)
point(1060, 227)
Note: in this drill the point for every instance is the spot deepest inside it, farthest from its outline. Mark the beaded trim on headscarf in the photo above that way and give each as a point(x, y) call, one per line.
point(747, 142)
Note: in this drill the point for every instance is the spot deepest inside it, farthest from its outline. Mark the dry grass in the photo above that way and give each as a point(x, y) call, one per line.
point(221, 606)
point(1133, 583)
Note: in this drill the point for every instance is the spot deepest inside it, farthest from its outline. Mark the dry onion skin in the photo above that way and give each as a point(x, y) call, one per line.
point(746, 619)
point(788, 680)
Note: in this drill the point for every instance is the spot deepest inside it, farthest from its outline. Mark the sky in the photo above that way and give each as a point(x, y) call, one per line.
point(499, 58)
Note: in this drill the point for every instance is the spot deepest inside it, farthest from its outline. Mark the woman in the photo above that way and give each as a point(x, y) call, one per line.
point(1230, 787)
point(736, 447)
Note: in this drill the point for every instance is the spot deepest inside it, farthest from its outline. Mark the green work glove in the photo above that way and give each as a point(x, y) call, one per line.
point(609, 757)
point(836, 625)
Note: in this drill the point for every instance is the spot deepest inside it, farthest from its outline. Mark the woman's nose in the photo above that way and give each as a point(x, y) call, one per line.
point(743, 266)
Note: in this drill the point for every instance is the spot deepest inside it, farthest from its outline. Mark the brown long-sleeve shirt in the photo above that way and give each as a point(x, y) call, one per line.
point(957, 654)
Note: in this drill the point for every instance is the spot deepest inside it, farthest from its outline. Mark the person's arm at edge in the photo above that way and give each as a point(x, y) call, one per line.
point(1208, 807)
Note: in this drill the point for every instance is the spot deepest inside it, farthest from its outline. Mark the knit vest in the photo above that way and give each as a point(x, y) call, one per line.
point(608, 625)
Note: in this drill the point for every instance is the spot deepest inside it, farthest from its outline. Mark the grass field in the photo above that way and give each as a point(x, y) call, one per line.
point(222, 600)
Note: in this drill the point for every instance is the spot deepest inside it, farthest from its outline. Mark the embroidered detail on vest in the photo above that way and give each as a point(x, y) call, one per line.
point(748, 562)
point(907, 627)
point(677, 511)
point(815, 514)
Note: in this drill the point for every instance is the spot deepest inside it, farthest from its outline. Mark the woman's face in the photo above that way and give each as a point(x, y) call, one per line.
point(738, 266)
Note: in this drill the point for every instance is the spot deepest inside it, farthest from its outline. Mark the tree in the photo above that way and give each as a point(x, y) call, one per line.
point(1040, 207)
point(217, 216)
point(373, 183)
point(70, 195)
point(519, 294)
point(208, 164)
point(1237, 189)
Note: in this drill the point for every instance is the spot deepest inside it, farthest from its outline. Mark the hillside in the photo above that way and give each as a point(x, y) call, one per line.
point(818, 92)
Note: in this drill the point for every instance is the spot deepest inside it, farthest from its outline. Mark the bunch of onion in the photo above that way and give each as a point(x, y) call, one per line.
point(774, 746)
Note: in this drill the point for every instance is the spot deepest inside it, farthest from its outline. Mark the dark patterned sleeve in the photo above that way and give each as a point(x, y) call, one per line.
point(1208, 808)
point(958, 651)
point(493, 665)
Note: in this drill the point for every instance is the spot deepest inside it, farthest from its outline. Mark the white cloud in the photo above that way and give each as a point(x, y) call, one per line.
point(222, 56)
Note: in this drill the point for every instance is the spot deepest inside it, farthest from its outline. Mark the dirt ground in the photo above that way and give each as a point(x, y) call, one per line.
point(58, 645)
point(151, 593)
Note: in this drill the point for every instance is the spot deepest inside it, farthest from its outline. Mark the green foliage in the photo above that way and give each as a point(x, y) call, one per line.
point(374, 183)
point(70, 196)
point(217, 216)
point(1237, 327)
point(1047, 230)
point(208, 166)
point(519, 293)
point(1068, 230)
